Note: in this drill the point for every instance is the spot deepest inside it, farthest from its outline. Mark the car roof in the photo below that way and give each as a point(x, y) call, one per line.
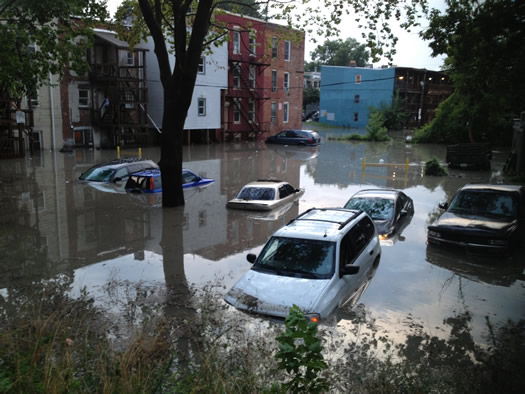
point(149, 172)
point(501, 188)
point(385, 193)
point(325, 224)
point(273, 183)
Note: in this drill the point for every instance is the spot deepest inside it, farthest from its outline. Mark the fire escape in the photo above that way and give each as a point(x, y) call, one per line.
point(118, 82)
point(246, 97)
point(15, 123)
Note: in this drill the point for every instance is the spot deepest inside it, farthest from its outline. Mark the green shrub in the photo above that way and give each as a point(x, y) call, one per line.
point(433, 168)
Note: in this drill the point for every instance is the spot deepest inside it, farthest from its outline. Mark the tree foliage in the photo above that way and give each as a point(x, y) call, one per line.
point(310, 96)
point(393, 114)
point(485, 46)
point(338, 53)
point(47, 26)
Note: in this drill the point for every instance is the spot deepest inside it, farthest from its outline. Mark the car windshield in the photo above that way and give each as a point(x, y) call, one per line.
point(98, 174)
point(484, 203)
point(190, 177)
point(377, 208)
point(296, 256)
point(256, 193)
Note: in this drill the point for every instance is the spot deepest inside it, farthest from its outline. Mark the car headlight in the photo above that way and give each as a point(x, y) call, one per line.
point(434, 234)
point(313, 317)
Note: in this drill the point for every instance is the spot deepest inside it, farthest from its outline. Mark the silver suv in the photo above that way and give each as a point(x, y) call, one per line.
point(317, 262)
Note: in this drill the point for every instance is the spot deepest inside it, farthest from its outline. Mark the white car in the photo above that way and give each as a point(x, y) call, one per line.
point(265, 195)
point(317, 262)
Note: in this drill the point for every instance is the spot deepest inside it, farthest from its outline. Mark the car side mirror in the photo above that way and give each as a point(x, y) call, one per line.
point(443, 205)
point(251, 257)
point(403, 213)
point(297, 190)
point(117, 179)
point(350, 269)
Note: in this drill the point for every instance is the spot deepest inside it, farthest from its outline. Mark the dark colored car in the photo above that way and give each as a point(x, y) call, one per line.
point(481, 217)
point(391, 210)
point(295, 137)
point(116, 170)
point(150, 181)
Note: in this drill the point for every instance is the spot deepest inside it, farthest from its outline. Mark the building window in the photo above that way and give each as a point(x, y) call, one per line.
point(358, 78)
point(356, 116)
point(274, 112)
point(202, 218)
point(251, 110)
point(287, 47)
point(275, 43)
point(286, 82)
point(202, 65)
point(316, 84)
point(253, 45)
point(236, 75)
point(131, 59)
point(285, 112)
point(274, 80)
point(32, 98)
point(236, 111)
point(252, 76)
point(356, 99)
point(201, 107)
point(83, 97)
point(236, 42)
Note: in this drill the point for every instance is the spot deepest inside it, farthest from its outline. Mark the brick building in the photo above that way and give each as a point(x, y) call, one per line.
point(265, 78)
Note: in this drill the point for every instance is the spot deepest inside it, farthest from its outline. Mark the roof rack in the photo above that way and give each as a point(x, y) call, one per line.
point(269, 180)
point(356, 213)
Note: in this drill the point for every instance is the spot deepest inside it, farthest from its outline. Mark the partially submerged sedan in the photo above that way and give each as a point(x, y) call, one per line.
point(150, 181)
point(391, 210)
point(482, 218)
point(317, 262)
point(265, 195)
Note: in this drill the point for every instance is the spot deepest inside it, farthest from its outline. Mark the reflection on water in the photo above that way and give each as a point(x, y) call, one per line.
point(52, 224)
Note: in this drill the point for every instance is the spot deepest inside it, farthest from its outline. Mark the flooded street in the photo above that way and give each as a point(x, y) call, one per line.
point(51, 224)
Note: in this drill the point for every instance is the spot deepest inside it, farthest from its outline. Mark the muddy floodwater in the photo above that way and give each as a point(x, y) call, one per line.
point(52, 224)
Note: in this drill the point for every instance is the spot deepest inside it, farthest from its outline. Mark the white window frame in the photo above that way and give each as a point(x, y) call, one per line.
point(81, 102)
point(236, 42)
point(253, 44)
point(287, 50)
point(274, 81)
point(202, 65)
point(130, 60)
point(273, 112)
point(201, 106)
point(128, 93)
point(252, 71)
point(286, 114)
point(286, 82)
point(251, 110)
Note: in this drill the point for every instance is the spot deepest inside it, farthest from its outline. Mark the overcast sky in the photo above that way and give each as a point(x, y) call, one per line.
point(411, 50)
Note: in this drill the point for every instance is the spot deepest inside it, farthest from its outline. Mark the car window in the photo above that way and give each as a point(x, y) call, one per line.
point(283, 191)
point(290, 189)
point(157, 182)
point(189, 177)
point(484, 203)
point(292, 134)
point(367, 227)
point(121, 173)
point(291, 256)
point(98, 174)
point(256, 193)
point(135, 182)
point(347, 252)
point(376, 208)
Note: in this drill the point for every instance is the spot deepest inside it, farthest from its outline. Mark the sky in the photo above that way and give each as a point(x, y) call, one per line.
point(412, 51)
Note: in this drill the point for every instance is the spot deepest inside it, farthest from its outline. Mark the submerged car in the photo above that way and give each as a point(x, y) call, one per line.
point(116, 170)
point(391, 210)
point(265, 195)
point(295, 137)
point(481, 217)
point(317, 262)
point(150, 181)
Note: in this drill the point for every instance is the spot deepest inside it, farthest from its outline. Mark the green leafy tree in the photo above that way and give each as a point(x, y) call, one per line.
point(338, 53)
point(393, 114)
point(41, 37)
point(300, 355)
point(190, 27)
point(376, 131)
point(243, 7)
point(310, 96)
point(484, 42)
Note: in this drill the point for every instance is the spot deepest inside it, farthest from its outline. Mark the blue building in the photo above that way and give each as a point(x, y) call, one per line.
point(347, 93)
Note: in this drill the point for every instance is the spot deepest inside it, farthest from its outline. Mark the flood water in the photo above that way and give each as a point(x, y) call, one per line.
point(51, 224)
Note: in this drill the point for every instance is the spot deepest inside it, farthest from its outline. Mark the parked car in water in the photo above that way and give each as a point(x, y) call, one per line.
point(265, 195)
point(150, 181)
point(116, 170)
point(482, 217)
point(391, 210)
point(295, 137)
point(317, 262)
